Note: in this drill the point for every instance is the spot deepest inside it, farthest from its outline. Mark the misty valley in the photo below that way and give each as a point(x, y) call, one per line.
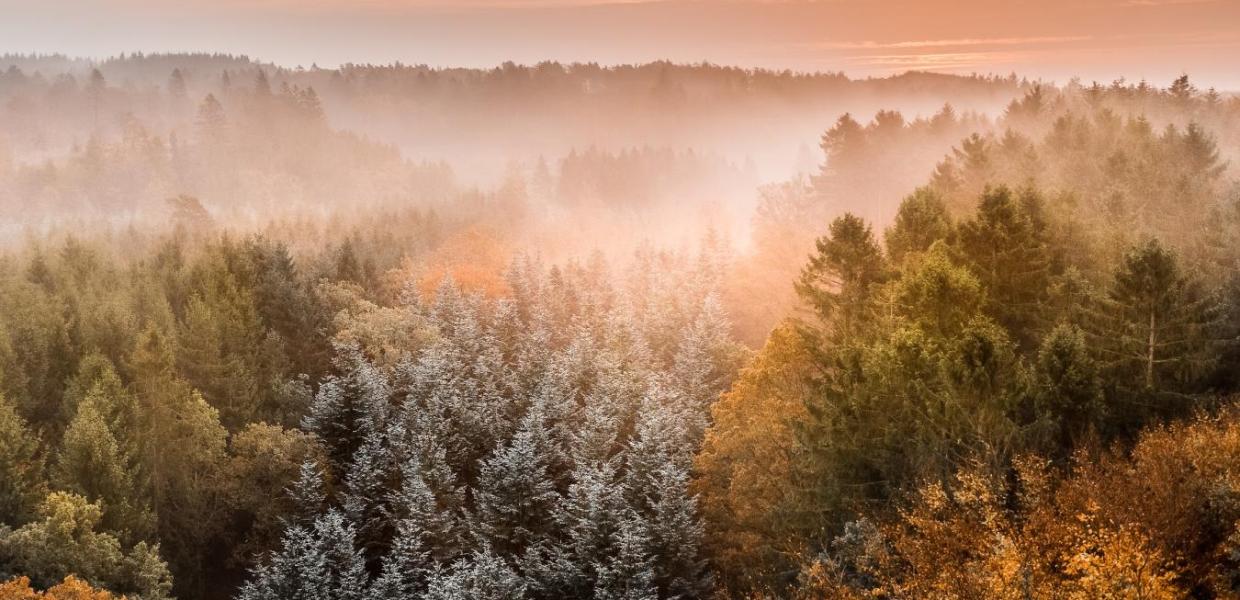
point(646, 331)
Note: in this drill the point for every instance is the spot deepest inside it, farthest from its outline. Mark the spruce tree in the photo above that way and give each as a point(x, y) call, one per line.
point(21, 467)
point(1005, 247)
point(483, 576)
point(515, 495)
point(921, 220)
point(92, 463)
point(840, 279)
point(1158, 322)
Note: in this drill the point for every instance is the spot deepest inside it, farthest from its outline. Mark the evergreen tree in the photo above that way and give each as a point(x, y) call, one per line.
point(176, 85)
point(316, 563)
point(1005, 246)
point(675, 533)
point(423, 533)
point(921, 220)
point(839, 281)
point(656, 483)
point(347, 406)
point(1158, 322)
point(1070, 393)
point(589, 520)
point(21, 467)
point(92, 463)
point(483, 576)
point(515, 494)
point(182, 449)
point(307, 494)
point(365, 482)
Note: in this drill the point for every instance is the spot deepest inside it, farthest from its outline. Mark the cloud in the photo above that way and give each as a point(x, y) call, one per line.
point(949, 43)
point(1165, 2)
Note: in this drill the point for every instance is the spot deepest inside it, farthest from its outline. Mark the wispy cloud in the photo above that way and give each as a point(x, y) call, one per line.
point(950, 43)
point(1165, 2)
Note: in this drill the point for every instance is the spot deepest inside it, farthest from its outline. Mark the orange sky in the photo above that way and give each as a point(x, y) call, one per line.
point(1054, 39)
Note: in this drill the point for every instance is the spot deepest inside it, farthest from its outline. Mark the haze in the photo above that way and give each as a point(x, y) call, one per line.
point(1056, 39)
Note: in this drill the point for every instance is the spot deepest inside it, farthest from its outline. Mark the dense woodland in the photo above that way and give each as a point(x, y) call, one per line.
point(985, 346)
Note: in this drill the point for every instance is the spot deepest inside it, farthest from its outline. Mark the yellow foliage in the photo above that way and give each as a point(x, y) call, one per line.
point(1148, 524)
point(746, 459)
point(71, 588)
point(1120, 565)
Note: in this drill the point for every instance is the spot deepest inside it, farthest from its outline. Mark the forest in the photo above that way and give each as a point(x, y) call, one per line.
point(388, 332)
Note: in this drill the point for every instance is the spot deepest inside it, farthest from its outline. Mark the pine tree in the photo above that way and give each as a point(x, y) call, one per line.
point(1070, 393)
point(316, 563)
point(307, 494)
point(212, 122)
point(182, 450)
point(176, 85)
point(21, 467)
point(422, 532)
point(587, 519)
point(1005, 246)
point(483, 576)
point(675, 533)
point(1158, 321)
point(91, 463)
point(839, 281)
point(515, 494)
point(921, 220)
point(656, 483)
point(347, 406)
point(704, 362)
point(629, 574)
point(364, 485)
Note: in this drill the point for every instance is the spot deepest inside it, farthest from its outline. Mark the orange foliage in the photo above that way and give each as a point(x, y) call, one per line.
point(71, 588)
point(1153, 523)
point(747, 460)
point(475, 258)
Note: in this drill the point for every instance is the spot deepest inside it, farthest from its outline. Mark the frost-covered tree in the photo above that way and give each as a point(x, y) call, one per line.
point(515, 496)
point(320, 562)
point(537, 445)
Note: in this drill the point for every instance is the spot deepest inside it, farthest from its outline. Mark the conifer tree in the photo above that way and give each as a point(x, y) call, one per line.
point(1005, 246)
point(483, 576)
point(921, 220)
point(92, 463)
point(1158, 321)
point(307, 494)
point(21, 467)
point(316, 563)
point(182, 449)
point(515, 495)
point(1070, 393)
point(839, 281)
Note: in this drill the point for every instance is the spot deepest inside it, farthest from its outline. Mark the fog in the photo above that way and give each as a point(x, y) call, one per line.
point(580, 330)
point(647, 142)
point(561, 160)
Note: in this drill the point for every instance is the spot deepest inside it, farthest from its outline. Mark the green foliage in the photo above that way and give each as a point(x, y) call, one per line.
point(838, 279)
point(937, 295)
point(182, 451)
point(1069, 393)
point(65, 542)
point(1005, 247)
point(93, 463)
point(1158, 325)
point(21, 467)
point(921, 221)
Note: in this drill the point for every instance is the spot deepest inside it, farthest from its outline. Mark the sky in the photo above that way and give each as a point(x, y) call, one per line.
point(1049, 39)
